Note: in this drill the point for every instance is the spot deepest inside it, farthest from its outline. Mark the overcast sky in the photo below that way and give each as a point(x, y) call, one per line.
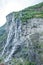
point(7, 6)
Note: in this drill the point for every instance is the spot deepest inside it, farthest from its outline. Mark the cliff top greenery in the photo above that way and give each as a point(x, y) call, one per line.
point(35, 11)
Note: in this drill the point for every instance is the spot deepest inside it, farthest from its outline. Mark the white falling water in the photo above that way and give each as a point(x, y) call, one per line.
point(13, 49)
point(15, 41)
point(9, 35)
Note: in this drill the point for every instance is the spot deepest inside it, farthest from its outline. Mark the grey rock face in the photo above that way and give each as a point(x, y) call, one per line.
point(23, 38)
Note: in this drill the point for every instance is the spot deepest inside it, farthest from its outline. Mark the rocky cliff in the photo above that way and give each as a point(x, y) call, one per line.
point(22, 39)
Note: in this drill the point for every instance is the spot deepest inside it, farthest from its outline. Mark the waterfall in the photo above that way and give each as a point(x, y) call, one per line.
point(16, 40)
point(9, 35)
point(14, 49)
point(16, 43)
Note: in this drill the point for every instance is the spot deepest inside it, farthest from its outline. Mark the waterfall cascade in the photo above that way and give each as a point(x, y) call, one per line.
point(19, 33)
point(15, 27)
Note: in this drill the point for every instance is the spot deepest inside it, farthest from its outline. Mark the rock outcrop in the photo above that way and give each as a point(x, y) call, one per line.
point(22, 37)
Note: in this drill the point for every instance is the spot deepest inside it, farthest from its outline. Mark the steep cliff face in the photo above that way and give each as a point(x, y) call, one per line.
point(3, 37)
point(22, 39)
point(23, 36)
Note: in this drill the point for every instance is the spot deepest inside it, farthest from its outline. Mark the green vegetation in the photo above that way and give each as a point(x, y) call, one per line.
point(3, 34)
point(35, 11)
point(3, 37)
point(30, 14)
point(19, 62)
point(2, 40)
point(1, 60)
point(41, 42)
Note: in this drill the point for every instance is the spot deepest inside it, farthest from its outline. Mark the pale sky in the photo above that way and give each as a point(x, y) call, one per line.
point(7, 6)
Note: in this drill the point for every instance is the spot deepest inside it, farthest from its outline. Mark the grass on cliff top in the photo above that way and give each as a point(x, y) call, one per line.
point(35, 11)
